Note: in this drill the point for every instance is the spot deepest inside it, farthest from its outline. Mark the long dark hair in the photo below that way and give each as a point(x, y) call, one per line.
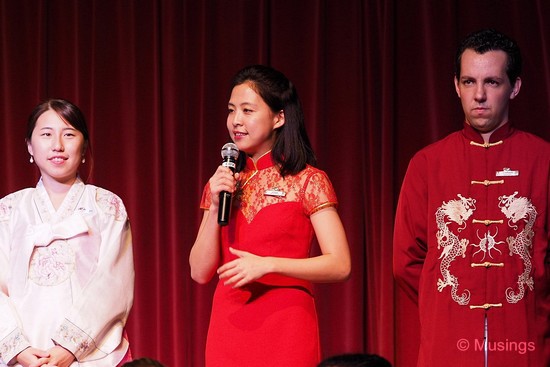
point(291, 149)
point(70, 113)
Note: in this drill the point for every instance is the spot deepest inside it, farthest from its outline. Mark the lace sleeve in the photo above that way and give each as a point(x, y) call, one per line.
point(318, 192)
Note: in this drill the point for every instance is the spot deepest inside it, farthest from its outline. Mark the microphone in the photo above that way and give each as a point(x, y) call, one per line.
point(230, 153)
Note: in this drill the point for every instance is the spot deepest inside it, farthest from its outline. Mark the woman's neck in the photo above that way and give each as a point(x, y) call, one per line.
point(57, 190)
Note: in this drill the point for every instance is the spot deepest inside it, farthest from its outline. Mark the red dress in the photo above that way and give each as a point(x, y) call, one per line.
point(273, 321)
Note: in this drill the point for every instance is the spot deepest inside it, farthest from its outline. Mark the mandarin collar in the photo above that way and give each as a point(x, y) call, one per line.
point(265, 161)
point(499, 134)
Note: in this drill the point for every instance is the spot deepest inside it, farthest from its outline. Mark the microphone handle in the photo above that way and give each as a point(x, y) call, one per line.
point(224, 209)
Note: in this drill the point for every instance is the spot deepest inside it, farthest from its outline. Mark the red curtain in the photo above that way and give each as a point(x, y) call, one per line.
point(375, 79)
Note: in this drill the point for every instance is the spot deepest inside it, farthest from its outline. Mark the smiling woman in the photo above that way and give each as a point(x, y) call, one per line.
point(58, 149)
point(264, 311)
point(66, 263)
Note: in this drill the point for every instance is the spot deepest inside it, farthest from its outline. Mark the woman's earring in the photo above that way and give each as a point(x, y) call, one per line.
point(83, 160)
point(31, 159)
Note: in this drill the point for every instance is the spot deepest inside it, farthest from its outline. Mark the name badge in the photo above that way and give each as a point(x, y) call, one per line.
point(275, 192)
point(507, 172)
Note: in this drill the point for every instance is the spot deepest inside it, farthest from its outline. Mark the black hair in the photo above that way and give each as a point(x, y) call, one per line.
point(143, 362)
point(291, 149)
point(66, 110)
point(355, 360)
point(70, 113)
point(492, 40)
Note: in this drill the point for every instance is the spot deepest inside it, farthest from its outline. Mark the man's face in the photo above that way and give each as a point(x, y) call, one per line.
point(484, 89)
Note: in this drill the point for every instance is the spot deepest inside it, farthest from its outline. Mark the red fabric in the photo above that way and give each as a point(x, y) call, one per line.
point(273, 321)
point(375, 81)
point(441, 237)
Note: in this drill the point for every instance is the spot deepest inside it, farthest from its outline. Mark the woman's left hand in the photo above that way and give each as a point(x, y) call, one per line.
point(60, 357)
point(243, 270)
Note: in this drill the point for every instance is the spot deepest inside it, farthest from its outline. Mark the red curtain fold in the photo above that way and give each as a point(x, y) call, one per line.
point(376, 82)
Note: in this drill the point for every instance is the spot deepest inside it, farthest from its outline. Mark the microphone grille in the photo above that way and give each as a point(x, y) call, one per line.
point(230, 150)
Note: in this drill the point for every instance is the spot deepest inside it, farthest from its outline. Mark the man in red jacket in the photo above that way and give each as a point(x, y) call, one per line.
point(471, 239)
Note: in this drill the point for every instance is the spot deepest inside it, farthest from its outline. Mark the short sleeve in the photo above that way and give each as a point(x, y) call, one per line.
point(318, 192)
point(206, 199)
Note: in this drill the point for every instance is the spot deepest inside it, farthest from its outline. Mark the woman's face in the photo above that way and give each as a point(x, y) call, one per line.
point(57, 148)
point(250, 121)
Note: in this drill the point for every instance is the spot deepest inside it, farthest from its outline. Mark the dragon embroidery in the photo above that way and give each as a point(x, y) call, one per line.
point(457, 211)
point(516, 209)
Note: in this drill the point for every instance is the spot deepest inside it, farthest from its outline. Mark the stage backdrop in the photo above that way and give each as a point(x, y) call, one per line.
point(376, 82)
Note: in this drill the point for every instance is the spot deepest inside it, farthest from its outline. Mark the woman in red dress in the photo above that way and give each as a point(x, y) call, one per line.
point(263, 311)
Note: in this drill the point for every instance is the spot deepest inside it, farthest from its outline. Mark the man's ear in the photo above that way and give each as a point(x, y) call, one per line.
point(516, 88)
point(456, 87)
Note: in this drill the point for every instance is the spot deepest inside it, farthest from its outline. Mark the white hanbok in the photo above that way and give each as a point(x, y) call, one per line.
point(66, 276)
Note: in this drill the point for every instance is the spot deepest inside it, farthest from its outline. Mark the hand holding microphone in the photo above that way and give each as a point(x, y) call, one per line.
point(229, 153)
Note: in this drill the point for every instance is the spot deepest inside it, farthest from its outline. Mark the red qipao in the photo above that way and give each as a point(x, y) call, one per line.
point(273, 321)
point(471, 245)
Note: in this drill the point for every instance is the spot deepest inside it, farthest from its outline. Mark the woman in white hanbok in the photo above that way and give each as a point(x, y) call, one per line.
point(66, 263)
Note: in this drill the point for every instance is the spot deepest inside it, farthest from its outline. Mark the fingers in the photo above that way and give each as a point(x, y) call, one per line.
point(60, 357)
point(227, 270)
point(234, 279)
point(230, 273)
point(222, 180)
point(43, 361)
point(33, 357)
point(232, 264)
point(241, 271)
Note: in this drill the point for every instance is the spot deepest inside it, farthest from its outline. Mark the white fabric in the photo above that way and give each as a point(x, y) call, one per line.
point(66, 276)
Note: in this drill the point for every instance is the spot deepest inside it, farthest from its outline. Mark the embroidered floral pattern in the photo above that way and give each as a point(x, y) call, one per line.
point(265, 187)
point(66, 209)
point(7, 203)
point(12, 344)
point(71, 334)
point(53, 264)
point(111, 204)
